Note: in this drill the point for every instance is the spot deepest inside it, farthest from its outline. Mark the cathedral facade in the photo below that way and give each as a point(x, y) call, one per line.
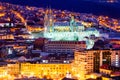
point(67, 30)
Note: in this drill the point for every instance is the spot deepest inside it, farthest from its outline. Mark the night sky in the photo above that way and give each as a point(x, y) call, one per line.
point(82, 6)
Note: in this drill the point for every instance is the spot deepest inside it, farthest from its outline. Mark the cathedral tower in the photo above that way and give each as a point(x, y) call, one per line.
point(72, 24)
point(51, 20)
point(48, 21)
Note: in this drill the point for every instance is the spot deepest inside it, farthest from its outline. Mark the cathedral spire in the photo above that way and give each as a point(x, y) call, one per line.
point(51, 20)
point(50, 11)
point(73, 23)
point(46, 21)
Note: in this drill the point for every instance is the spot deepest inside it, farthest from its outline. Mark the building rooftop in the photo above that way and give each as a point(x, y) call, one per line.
point(109, 67)
point(116, 73)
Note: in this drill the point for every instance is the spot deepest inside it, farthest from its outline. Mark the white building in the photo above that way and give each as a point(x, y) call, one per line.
point(67, 30)
point(115, 58)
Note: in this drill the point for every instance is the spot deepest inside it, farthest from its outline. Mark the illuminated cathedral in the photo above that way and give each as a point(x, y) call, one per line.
point(67, 30)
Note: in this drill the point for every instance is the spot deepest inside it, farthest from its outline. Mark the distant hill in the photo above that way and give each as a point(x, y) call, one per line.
point(83, 6)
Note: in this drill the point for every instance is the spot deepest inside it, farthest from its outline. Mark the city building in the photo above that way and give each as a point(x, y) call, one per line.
point(83, 64)
point(110, 72)
point(54, 70)
point(83, 67)
point(99, 58)
point(115, 58)
point(115, 41)
point(34, 28)
point(7, 37)
point(67, 30)
point(64, 46)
